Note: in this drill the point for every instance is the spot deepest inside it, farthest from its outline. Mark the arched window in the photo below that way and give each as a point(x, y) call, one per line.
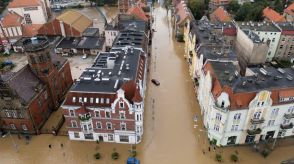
point(257, 115)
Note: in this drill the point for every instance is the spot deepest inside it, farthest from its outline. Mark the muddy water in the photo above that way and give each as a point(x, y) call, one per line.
point(169, 136)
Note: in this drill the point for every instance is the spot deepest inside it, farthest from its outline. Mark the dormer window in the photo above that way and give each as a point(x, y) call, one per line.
point(121, 104)
point(223, 104)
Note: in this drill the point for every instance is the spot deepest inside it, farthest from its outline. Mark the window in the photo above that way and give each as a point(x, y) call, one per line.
point(76, 135)
point(97, 113)
point(216, 127)
point(90, 127)
point(275, 112)
point(28, 18)
point(91, 100)
point(102, 100)
point(109, 125)
point(12, 126)
point(281, 46)
point(74, 124)
point(121, 104)
point(124, 138)
point(107, 114)
point(234, 128)
point(286, 121)
point(218, 117)
point(122, 115)
point(80, 99)
point(123, 126)
point(291, 109)
point(7, 114)
point(107, 101)
point(85, 99)
point(99, 125)
point(24, 127)
point(257, 115)
point(14, 114)
point(20, 115)
point(271, 123)
point(74, 99)
point(71, 113)
point(97, 100)
point(110, 137)
point(237, 116)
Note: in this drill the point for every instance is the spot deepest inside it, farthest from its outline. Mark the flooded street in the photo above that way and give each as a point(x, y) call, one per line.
point(169, 133)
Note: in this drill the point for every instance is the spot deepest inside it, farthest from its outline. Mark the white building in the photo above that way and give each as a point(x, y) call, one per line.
point(267, 33)
point(243, 110)
point(33, 11)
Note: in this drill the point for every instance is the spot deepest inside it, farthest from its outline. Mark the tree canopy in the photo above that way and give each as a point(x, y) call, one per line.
point(197, 8)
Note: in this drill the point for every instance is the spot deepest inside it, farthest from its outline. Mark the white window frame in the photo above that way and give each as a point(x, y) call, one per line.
point(91, 100)
point(70, 114)
point(108, 123)
point(123, 124)
point(102, 100)
point(97, 100)
point(74, 99)
point(121, 104)
point(98, 123)
point(85, 99)
point(74, 122)
point(97, 111)
point(80, 99)
point(106, 114)
point(12, 126)
point(107, 100)
point(24, 127)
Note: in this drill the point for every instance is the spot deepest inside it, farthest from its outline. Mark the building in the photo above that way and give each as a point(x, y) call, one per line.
point(123, 22)
point(250, 48)
point(28, 96)
point(220, 15)
point(272, 16)
point(107, 102)
point(80, 45)
point(285, 48)
point(267, 32)
point(214, 4)
point(241, 2)
point(137, 12)
point(181, 14)
point(33, 11)
point(69, 24)
point(246, 109)
point(289, 13)
point(207, 41)
point(125, 5)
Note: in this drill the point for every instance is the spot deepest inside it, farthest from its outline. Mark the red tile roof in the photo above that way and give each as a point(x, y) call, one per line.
point(138, 12)
point(137, 97)
point(272, 15)
point(23, 3)
point(220, 14)
point(290, 9)
point(31, 30)
point(12, 19)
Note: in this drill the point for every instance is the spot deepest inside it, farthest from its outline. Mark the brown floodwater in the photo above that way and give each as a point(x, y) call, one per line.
point(169, 133)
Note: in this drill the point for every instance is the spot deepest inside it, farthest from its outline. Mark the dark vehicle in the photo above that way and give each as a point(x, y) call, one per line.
point(155, 82)
point(132, 160)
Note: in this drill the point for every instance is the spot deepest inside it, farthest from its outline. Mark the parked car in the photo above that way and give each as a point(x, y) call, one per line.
point(133, 160)
point(155, 82)
point(84, 56)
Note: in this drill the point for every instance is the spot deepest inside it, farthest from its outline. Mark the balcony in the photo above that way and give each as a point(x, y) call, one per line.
point(85, 117)
point(287, 126)
point(254, 131)
point(289, 115)
point(257, 121)
point(220, 108)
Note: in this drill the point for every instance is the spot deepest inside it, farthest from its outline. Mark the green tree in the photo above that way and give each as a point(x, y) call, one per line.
point(279, 5)
point(233, 6)
point(197, 8)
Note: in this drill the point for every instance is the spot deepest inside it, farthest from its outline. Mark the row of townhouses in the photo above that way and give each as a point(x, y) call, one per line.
point(242, 98)
point(107, 102)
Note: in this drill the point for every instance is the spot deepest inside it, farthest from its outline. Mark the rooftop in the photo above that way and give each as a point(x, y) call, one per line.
point(12, 19)
point(290, 9)
point(125, 22)
point(130, 38)
point(81, 42)
point(110, 71)
point(220, 14)
point(217, 52)
point(91, 31)
point(272, 15)
point(258, 26)
point(252, 35)
point(286, 26)
point(138, 12)
point(24, 3)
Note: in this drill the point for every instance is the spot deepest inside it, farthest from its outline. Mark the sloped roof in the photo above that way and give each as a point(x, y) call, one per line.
point(220, 14)
point(12, 19)
point(24, 3)
point(182, 12)
point(290, 9)
point(24, 83)
point(137, 97)
point(30, 30)
point(272, 15)
point(138, 12)
point(75, 19)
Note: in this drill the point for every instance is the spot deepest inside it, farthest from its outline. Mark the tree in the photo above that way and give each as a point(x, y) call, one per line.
point(279, 5)
point(233, 6)
point(197, 8)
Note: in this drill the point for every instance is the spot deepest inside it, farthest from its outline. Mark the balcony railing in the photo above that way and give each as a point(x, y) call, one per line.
point(254, 131)
point(289, 115)
point(86, 117)
point(220, 108)
point(287, 126)
point(257, 121)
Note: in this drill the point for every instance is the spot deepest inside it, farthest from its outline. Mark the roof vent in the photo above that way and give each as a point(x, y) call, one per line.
point(277, 78)
point(87, 78)
point(281, 70)
point(116, 83)
point(290, 78)
point(227, 72)
point(263, 71)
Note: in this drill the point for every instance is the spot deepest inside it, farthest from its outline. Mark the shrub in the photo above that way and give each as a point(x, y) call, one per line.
point(114, 155)
point(97, 156)
point(234, 157)
point(265, 152)
point(134, 153)
point(218, 157)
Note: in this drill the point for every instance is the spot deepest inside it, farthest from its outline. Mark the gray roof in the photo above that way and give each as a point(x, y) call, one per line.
point(215, 52)
point(286, 26)
point(69, 42)
point(258, 26)
point(107, 77)
point(81, 43)
point(25, 84)
point(252, 35)
point(126, 22)
point(91, 31)
point(261, 78)
point(130, 38)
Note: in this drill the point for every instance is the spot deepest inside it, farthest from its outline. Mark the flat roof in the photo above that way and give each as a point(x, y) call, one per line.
point(259, 26)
